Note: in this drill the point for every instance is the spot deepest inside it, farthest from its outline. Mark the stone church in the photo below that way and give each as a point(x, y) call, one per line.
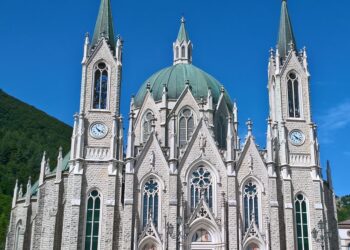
point(185, 180)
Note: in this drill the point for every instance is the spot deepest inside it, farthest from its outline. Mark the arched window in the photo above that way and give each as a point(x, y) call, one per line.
point(18, 230)
point(202, 235)
point(150, 202)
point(147, 126)
point(301, 215)
point(251, 204)
point(93, 220)
point(222, 132)
point(201, 185)
point(293, 96)
point(177, 52)
point(100, 86)
point(183, 51)
point(186, 126)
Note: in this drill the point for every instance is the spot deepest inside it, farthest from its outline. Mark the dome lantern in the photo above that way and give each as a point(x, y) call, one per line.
point(182, 47)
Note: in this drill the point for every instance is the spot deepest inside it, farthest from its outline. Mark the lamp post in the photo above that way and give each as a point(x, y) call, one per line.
point(320, 233)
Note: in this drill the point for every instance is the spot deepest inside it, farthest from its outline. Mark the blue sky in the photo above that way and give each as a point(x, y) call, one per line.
point(41, 50)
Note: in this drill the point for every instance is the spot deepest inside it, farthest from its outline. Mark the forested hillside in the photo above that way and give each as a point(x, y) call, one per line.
point(343, 205)
point(25, 132)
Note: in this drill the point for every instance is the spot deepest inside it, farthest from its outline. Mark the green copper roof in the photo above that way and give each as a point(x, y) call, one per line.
point(286, 35)
point(104, 25)
point(183, 35)
point(175, 78)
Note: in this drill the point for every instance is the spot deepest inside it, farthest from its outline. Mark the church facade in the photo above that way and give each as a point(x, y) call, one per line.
point(186, 180)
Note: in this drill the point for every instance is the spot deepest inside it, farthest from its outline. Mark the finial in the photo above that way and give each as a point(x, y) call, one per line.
point(47, 169)
point(148, 86)
point(20, 192)
point(183, 19)
point(187, 82)
point(44, 157)
point(292, 46)
point(249, 124)
point(222, 89)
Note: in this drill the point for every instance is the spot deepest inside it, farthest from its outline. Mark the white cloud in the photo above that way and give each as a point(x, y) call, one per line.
point(334, 119)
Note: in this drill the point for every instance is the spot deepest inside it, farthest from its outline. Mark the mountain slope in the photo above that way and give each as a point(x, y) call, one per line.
point(25, 132)
point(343, 207)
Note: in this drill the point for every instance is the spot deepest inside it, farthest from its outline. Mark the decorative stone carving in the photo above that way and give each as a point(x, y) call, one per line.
point(96, 154)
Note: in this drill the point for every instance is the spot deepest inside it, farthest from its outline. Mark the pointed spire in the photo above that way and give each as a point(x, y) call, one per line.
point(182, 47)
point(329, 175)
point(42, 170)
point(286, 39)
point(86, 47)
point(183, 35)
point(59, 165)
point(230, 141)
point(29, 191)
point(15, 194)
point(20, 192)
point(47, 168)
point(249, 124)
point(104, 25)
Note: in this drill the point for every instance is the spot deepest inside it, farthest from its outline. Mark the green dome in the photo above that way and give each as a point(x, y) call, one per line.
point(175, 78)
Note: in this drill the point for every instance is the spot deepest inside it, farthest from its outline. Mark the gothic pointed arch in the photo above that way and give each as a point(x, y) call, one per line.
point(301, 205)
point(93, 220)
point(186, 126)
point(100, 86)
point(294, 95)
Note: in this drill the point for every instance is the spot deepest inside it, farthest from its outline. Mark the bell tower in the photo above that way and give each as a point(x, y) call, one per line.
point(289, 97)
point(292, 146)
point(97, 132)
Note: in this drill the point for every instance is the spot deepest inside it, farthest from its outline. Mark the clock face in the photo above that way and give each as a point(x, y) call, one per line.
point(297, 137)
point(98, 130)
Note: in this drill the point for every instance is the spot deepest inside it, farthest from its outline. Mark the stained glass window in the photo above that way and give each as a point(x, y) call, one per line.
point(100, 87)
point(186, 126)
point(250, 204)
point(301, 216)
point(93, 220)
point(293, 96)
point(150, 202)
point(147, 125)
point(201, 184)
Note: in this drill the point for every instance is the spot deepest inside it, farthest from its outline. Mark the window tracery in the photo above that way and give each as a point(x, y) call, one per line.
point(150, 202)
point(186, 126)
point(301, 216)
point(251, 204)
point(93, 220)
point(293, 95)
point(100, 86)
point(201, 185)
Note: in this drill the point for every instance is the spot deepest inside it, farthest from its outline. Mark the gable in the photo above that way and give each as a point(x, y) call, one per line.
point(152, 161)
point(251, 164)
